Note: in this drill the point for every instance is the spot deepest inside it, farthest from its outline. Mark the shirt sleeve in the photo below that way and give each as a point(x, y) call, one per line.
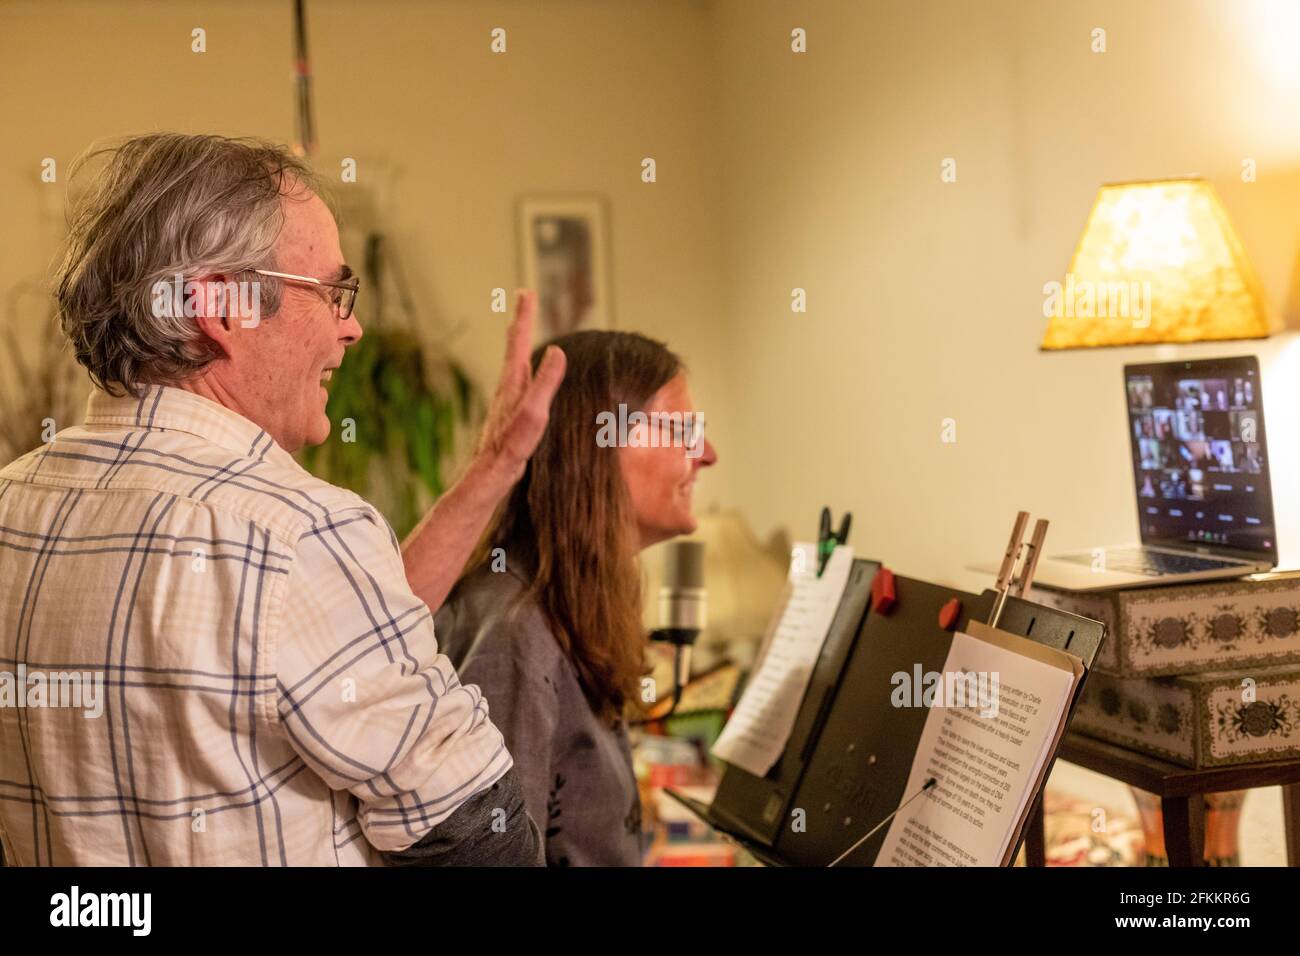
point(489, 829)
point(525, 706)
point(363, 693)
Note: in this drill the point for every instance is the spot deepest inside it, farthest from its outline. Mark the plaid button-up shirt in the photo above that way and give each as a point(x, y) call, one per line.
point(270, 690)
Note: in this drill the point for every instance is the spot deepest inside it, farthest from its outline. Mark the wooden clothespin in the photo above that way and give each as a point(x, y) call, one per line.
point(1009, 581)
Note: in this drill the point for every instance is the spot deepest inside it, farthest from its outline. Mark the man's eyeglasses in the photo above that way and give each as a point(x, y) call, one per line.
point(343, 300)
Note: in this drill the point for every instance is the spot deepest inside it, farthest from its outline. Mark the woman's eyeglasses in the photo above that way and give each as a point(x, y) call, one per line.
point(343, 300)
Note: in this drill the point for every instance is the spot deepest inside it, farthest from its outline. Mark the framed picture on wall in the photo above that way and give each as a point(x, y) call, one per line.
point(562, 250)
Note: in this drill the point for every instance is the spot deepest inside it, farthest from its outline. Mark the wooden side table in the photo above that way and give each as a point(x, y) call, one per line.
point(1181, 791)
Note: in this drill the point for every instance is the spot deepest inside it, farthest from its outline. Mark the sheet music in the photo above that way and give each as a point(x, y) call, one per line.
point(759, 727)
point(986, 759)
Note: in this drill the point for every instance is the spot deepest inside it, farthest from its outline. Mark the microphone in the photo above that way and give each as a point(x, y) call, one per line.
point(683, 607)
point(683, 602)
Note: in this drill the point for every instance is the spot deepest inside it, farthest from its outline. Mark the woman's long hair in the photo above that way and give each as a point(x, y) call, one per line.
point(569, 521)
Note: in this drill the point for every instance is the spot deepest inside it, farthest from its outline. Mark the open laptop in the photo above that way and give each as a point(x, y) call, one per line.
point(1200, 468)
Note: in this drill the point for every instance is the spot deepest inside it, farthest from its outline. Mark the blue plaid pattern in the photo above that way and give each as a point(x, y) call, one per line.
point(273, 691)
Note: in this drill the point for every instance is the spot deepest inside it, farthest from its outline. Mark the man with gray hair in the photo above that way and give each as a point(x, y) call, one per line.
point(273, 689)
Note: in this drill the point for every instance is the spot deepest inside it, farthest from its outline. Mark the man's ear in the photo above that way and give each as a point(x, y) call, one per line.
point(210, 302)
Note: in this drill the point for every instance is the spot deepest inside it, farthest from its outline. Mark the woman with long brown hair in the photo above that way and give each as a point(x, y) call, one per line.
point(547, 619)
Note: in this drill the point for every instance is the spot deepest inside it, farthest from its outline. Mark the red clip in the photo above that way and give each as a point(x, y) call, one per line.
point(949, 613)
point(883, 595)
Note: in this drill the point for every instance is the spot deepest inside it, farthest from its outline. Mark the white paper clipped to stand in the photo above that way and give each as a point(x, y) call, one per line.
point(759, 727)
point(988, 757)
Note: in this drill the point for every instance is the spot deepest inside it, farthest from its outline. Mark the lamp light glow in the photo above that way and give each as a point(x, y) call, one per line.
point(1158, 262)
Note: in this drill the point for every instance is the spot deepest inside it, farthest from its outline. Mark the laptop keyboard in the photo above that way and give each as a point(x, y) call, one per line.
point(1154, 563)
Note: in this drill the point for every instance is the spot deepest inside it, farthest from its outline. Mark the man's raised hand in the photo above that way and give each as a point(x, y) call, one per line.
point(520, 408)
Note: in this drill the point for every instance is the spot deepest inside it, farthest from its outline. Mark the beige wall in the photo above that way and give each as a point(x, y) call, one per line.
point(925, 298)
point(775, 171)
point(446, 136)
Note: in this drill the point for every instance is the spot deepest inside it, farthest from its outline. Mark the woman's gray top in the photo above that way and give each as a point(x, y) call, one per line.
point(576, 769)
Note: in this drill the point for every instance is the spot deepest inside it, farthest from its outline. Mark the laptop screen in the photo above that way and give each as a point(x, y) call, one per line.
point(1199, 456)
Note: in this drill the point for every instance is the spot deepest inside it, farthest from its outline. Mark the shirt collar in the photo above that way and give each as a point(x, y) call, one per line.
point(175, 409)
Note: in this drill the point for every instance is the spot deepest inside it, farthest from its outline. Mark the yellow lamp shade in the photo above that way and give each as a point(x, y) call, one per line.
point(1158, 262)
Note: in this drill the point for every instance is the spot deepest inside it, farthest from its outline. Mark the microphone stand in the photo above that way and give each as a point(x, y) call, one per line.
point(683, 641)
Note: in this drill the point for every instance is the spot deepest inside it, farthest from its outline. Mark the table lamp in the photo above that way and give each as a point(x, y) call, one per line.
point(1158, 262)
